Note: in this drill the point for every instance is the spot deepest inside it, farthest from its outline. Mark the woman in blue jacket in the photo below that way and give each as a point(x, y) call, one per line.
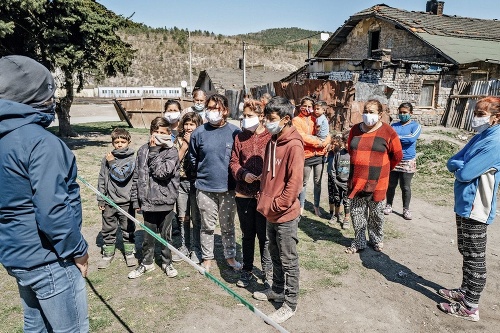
point(476, 183)
point(408, 131)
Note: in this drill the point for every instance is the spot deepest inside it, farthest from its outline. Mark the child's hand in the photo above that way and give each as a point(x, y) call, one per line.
point(250, 177)
point(152, 141)
point(187, 137)
point(110, 157)
point(101, 207)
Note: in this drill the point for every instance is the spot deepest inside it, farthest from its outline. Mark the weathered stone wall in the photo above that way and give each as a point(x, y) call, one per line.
point(402, 44)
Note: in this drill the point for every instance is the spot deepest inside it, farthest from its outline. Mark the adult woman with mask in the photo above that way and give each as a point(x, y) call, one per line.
point(209, 152)
point(314, 150)
point(476, 185)
point(375, 150)
point(246, 165)
point(199, 99)
point(408, 131)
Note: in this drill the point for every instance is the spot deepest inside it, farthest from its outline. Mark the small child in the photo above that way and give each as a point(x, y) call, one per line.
point(154, 191)
point(115, 181)
point(322, 127)
point(338, 174)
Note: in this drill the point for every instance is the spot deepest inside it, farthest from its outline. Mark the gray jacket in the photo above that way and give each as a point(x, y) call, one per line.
point(115, 177)
point(155, 184)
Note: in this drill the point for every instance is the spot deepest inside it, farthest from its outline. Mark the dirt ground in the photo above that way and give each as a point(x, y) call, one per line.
point(391, 291)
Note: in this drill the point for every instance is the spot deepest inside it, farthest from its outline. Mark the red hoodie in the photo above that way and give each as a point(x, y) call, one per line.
point(282, 177)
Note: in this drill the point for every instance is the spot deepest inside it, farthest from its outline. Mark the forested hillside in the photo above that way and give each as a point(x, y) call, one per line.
point(162, 57)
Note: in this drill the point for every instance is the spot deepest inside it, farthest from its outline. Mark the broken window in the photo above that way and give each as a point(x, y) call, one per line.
point(374, 41)
point(427, 94)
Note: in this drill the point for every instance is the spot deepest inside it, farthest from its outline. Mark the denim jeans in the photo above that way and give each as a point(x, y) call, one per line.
point(318, 174)
point(253, 223)
point(283, 248)
point(404, 179)
point(54, 297)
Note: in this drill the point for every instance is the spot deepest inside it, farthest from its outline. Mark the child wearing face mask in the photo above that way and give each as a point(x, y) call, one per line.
point(408, 131)
point(155, 187)
point(246, 165)
point(173, 115)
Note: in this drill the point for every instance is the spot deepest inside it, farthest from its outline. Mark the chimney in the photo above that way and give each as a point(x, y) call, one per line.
point(435, 7)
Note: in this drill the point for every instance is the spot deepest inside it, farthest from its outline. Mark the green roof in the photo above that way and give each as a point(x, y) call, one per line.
point(463, 50)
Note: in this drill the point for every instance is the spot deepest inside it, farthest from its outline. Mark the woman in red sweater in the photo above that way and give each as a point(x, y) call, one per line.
point(246, 164)
point(375, 150)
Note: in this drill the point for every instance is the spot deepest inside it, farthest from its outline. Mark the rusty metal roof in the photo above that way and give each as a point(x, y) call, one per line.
point(435, 30)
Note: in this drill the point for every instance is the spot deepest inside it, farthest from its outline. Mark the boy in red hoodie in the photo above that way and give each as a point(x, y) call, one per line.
point(281, 183)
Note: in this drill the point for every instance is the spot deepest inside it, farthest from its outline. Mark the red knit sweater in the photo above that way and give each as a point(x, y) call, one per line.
point(248, 156)
point(373, 156)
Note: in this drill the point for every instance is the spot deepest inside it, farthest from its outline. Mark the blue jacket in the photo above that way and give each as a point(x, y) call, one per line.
point(476, 176)
point(209, 153)
point(40, 208)
point(408, 135)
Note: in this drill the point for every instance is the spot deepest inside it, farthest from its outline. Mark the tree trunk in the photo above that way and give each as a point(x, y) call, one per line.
point(62, 110)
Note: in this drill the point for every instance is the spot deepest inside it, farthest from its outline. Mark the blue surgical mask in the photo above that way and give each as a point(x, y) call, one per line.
point(404, 117)
point(199, 106)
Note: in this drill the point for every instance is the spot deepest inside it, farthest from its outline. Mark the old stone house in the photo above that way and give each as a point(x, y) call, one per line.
point(407, 56)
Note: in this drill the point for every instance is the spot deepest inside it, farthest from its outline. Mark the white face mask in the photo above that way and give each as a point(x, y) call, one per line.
point(480, 124)
point(199, 106)
point(274, 127)
point(172, 117)
point(213, 117)
point(370, 119)
point(250, 124)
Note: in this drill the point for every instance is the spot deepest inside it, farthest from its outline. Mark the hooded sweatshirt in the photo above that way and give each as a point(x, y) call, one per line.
point(282, 178)
point(115, 177)
point(40, 208)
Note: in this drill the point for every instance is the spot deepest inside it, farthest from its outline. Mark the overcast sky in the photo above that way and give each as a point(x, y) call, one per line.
point(231, 17)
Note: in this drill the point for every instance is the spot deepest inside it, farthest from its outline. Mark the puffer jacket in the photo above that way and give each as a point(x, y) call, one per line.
point(155, 184)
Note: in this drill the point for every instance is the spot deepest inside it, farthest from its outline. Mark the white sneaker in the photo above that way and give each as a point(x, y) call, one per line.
point(169, 270)
point(140, 270)
point(282, 314)
point(387, 209)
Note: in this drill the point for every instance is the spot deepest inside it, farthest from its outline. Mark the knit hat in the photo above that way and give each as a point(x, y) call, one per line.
point(25, 81)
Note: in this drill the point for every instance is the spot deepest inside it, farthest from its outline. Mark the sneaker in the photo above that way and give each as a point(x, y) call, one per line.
point(169, 270)
point(458, 309)
point(105, 261)
point(194, 257)
point(387, 209)
point(183, 250)
point(406, 214)
point(333, 219)
point(130, 260)
point(282, 314)
point(269, 295)
point(237, 266)
point(455, 295)
point(245, 279)
point(141, 269)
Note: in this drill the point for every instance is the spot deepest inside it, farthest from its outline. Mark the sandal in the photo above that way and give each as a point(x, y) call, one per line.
point(378, 247)
point(351, 250)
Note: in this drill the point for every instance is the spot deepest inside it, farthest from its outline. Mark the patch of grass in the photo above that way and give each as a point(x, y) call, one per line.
point(433, 181)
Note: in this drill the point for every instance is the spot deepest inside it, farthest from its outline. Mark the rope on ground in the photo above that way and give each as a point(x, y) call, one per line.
point(199, 268)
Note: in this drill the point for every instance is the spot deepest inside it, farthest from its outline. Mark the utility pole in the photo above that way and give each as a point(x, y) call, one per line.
point(244, 71)
point(190, 65)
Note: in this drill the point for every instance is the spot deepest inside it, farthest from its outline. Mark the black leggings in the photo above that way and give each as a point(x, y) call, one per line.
point(404, 179)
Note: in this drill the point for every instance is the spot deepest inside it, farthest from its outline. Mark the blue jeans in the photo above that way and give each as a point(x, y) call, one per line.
point(54, 297)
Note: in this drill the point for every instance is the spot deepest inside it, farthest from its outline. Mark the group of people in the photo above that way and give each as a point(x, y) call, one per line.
point(200, 167)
